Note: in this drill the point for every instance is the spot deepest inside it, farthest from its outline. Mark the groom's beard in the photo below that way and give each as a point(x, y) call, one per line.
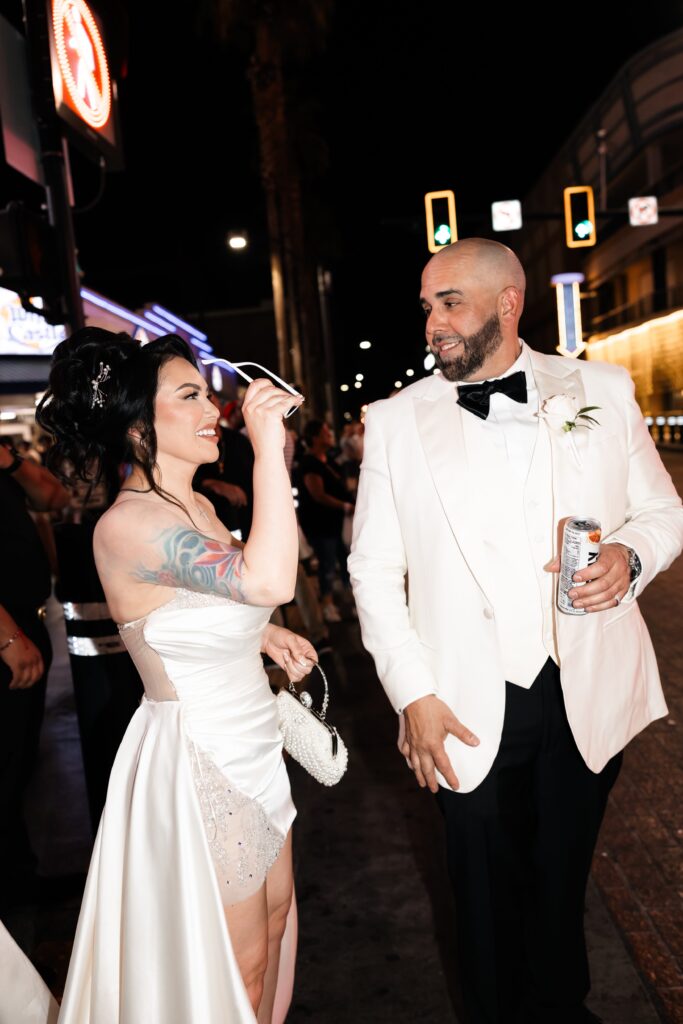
point(472, 353)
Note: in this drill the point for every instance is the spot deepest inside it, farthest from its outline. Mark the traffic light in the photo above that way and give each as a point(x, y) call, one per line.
point(579, 217)
point(442, 228)
point(28, 259)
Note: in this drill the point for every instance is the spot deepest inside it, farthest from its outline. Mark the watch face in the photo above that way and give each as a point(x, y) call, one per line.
point(634, 565)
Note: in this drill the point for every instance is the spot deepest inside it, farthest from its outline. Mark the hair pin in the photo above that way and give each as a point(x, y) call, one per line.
point(102, 376)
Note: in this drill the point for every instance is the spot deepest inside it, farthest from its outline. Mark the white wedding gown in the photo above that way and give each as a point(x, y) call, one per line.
point(198, 808)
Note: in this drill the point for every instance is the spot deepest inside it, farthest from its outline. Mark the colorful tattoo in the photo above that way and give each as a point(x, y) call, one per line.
point(194, 562)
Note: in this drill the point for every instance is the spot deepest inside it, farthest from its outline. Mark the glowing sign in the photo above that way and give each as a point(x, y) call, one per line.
point(569, 313)
point(82, 62)
point(23, 333)
point(643, 210)
point(506, 215)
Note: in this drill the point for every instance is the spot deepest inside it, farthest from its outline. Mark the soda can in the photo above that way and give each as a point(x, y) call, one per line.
point(580, 548)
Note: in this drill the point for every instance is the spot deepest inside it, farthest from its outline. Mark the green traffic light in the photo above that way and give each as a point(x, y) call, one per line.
point(442, 235)
point(583, 229)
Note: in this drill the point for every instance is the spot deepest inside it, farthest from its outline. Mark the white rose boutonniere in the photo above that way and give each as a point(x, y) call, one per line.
point(561, 413)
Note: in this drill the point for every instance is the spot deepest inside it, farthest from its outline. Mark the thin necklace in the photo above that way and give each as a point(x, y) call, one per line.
point(147, 490)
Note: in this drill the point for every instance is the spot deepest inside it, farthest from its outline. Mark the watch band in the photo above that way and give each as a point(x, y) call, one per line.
point(634, 564)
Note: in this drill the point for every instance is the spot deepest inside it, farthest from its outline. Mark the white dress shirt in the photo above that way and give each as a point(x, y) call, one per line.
point(499, 452)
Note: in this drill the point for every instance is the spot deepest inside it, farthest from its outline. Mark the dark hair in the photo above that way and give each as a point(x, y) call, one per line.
point(311, 431)
point(94, 435)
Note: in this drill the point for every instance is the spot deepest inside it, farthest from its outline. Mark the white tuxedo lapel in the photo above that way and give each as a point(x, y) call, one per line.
point(439, 423)
point(568, 450)
point(440, 427)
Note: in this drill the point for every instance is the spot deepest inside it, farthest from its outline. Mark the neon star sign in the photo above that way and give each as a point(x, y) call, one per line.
point(82, 62)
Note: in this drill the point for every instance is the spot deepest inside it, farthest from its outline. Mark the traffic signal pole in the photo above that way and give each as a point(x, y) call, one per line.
point(53, 159)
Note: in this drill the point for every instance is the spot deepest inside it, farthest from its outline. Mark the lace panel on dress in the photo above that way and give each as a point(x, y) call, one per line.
point(195, 599)
point(243, 842)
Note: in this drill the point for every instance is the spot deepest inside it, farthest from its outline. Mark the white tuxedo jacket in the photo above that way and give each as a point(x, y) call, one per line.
point(435, 631)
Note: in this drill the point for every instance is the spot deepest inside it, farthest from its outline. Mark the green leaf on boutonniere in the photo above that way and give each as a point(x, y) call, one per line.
point(582, 414)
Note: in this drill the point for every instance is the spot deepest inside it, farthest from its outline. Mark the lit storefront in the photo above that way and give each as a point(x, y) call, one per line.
point(27, 342)
point(652, 352)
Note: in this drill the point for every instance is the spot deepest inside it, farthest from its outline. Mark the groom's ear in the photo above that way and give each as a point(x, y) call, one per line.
point(510, 303)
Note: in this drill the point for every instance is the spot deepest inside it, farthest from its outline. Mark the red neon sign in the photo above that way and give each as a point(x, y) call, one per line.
point(82, 62)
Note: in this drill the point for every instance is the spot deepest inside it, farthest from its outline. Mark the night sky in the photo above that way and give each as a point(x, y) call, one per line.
point(405, 97)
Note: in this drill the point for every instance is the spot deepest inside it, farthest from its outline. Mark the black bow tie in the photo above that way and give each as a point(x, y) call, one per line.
point(477, 397)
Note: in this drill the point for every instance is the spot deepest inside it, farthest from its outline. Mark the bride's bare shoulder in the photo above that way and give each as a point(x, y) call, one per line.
point(132, 523)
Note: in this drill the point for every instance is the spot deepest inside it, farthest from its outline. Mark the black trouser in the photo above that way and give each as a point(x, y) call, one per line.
point(21, 716)
point(331, 554)
point(519, 851)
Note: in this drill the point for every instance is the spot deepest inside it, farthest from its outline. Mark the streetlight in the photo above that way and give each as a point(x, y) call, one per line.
point(365, 344)
point(359, 376)
point(238, 240)
point(398, 383)
point(410, 373)
point(344, 387)
point(358, 384)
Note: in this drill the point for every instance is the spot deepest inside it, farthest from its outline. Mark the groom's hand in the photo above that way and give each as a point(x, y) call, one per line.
point(427, 723)
point(608, 577)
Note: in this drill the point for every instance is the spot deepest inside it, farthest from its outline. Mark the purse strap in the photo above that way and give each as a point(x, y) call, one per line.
point(326, 699)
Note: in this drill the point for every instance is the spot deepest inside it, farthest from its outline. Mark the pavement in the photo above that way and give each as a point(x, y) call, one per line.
point(376, 916)
point(639, 859)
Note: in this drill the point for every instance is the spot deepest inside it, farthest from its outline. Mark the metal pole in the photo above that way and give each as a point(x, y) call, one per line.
point(601, 136)
point(324, 283)
point(53, 159)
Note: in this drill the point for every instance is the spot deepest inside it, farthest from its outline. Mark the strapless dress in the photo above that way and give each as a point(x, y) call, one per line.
point(197, 810)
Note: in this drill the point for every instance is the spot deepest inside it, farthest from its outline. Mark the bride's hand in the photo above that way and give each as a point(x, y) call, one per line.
point(264, 408)
point(290, 651)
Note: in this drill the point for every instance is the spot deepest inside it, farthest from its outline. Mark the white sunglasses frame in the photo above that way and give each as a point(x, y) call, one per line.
point(250, 380)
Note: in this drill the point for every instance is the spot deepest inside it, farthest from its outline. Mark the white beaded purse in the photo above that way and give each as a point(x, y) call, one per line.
point(308, 738)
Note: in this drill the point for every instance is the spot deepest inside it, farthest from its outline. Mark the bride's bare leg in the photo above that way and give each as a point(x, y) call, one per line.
point(279, 887)
point(286, 974)
point(248, 928)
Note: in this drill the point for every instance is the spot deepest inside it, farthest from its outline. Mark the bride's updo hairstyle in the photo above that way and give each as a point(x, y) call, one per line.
point(102, 386)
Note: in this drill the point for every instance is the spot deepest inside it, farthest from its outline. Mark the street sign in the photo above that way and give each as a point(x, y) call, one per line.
point(442, 228)
point(19, 130)
point(569, 313)
point(643, 210)
point(506, 215)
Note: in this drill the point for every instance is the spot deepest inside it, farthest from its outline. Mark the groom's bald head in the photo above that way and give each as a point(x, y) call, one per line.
point(490, 263)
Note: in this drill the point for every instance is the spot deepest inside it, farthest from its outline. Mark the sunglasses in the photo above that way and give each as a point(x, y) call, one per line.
point(237, 367)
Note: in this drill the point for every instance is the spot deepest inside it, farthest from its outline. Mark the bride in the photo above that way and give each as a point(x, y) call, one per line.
point(190, 882)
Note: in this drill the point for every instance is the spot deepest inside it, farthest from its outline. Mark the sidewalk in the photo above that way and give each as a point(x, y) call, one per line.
point(639, 860)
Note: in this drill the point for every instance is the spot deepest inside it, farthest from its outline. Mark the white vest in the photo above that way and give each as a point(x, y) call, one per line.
point(513, 504)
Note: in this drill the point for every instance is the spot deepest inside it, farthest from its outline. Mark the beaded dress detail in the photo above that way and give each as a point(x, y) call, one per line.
point(243, 840)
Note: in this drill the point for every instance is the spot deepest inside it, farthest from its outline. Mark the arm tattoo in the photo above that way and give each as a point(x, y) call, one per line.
point(194, 562)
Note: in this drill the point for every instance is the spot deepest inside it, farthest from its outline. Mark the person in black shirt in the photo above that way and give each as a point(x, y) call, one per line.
point(323, 502)
point(228, 483)
point(25, 652)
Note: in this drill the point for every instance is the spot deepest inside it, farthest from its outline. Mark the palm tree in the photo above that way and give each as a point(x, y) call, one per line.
point(279, 35)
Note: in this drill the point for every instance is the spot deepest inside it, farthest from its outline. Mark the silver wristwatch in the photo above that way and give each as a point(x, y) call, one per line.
point(634, 567)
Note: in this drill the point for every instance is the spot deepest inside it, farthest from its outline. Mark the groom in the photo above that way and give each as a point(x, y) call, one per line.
point(512, 712)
